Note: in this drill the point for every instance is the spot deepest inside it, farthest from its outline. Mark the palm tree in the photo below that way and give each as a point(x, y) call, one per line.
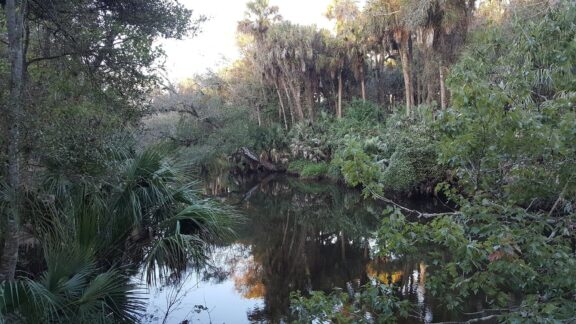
point(336, 65)
point(386, 21)
point(287, 49)
point(260, 16)
point(441, 27)
point(350, 30)
point(73, 289)
point(148, 215)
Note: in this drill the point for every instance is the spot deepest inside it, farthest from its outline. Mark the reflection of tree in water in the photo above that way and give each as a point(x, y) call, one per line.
point(249, 282)
point(303, 237)
point(310, 236)
point(407, 276)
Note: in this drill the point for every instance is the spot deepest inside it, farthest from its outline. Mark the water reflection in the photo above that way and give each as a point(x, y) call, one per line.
point(300, 236)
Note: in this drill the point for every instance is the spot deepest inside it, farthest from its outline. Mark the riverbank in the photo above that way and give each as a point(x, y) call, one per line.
point(296, 236)
point(371, 148)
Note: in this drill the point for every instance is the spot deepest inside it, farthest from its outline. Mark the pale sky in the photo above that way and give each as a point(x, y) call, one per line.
point(216, 44)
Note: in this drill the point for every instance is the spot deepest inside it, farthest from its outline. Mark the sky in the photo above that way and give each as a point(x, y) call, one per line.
point(215, 46)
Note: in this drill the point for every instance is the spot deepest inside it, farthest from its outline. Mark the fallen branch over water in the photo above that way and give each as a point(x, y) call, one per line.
point(417, 213)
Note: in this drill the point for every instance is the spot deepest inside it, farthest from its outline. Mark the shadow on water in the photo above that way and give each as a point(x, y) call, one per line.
point(304, 236)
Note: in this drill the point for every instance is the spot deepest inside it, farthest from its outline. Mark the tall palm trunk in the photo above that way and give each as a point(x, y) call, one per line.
point(258, 115)
point(290, 104)
point(282, 108)
point(295, 89)
point(264, 97)
point(309, 87)
point(421, 91)
point(339, 107)
point(429, 92)
point(362, 84)
point(443, 103)
point(405, 58)
point(15, 12)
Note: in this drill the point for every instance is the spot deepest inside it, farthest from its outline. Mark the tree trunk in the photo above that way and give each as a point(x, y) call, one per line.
point(415, 88)
point(429, 92)
point(290, 104)
point(310, 98)
point(343, 246)
point(405, 58)
point(362, 84)
point(379, 87)
point(264, 97)
point(283, 110)
point(297, 100)
point(339, 107)
point(421, 91)
point(15, 12)
point(258, 114)
point(443, 102)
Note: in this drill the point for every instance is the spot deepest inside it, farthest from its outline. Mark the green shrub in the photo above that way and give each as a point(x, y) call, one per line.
point(371, 300)
point(399, 155)
point(308, 169)
point(364, 112)
point(358, 167)
point(515, 136)
point(315, 170)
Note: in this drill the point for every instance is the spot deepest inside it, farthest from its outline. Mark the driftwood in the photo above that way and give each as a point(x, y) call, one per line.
point(254, 161)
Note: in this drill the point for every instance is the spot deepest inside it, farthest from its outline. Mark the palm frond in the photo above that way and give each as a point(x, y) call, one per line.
point(73, 289)
point(171, 255)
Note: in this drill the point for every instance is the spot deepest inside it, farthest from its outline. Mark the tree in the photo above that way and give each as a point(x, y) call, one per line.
point(148, 216)
point(336, 67)
point(350, 31)
point(260, 16)
point(291, 56)
point(386, 22)
point(110, 46)
point(15, 11)
point(441, 27)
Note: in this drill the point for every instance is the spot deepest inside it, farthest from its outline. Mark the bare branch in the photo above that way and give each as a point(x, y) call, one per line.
point(46, 58)
point(412, 211)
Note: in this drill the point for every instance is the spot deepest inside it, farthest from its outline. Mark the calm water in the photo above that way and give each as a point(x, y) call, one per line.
point(296, 236)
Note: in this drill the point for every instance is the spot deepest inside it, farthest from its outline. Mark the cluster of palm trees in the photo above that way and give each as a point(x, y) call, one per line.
point(97, 234)
point(305, 66)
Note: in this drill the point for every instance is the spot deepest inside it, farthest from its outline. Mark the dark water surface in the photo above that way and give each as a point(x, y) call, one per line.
point(296, 235)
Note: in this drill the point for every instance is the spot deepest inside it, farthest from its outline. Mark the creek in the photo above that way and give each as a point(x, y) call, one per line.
point(295, 236)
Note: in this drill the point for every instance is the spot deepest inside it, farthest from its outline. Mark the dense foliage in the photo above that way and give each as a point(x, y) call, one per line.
point(84, 209)
point(509, 139)
point(373, 302)
point(472, 102)
point(508, 144)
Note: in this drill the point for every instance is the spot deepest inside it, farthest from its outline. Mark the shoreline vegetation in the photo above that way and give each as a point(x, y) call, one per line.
point(473, 102)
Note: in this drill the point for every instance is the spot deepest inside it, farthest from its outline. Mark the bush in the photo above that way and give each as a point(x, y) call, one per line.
point(398, 156)
point(358, 167)
point(311, 141)
point(511, 130)
point(372, 301)
point(308, 169)
point(364, 112)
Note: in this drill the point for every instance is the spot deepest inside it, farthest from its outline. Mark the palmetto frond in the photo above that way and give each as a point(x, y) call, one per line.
point(72, 290)
point(81, 222)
